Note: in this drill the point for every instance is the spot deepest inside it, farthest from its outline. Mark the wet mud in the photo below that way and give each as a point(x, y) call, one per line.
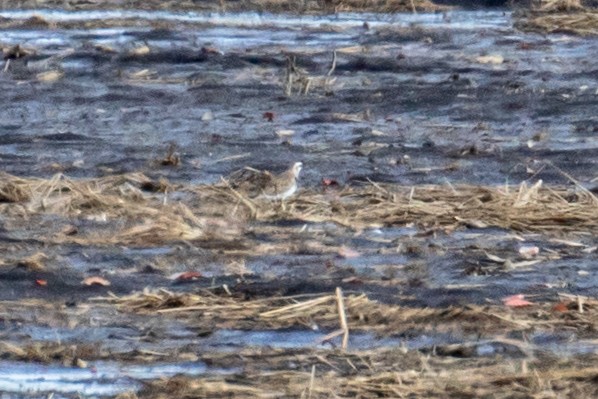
point(445, 99)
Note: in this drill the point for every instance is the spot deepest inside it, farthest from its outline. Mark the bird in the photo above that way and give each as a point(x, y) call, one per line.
point(13, 54)
point(264, 185)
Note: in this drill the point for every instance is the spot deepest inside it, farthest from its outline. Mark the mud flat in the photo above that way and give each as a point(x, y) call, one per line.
point(277, 6)
point(442, 243)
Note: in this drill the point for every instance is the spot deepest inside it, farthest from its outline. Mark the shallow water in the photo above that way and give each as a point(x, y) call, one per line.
point(107, 378)
point(547, 89)
point(101, 379)
point(430, 103)
point(450, 19)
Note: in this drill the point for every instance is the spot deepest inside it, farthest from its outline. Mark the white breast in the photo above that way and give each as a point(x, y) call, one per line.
point(283, 195)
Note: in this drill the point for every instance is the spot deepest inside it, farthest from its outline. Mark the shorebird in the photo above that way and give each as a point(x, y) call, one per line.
point(259, 184)
point(12, 54)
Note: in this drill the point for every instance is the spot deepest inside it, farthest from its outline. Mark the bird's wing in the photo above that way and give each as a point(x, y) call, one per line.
point(250, 181)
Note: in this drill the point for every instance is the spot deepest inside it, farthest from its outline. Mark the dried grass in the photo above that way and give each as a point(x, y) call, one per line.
point(271, 313)
point(46, 352)
point(68, 196)
point(318, 373)
point(211, 213)
point(143, 218)
point(361, 313)
point(384, 6)
point(306, 6)
point(12, 191)
point(435, 378)
point(34, 262)
point(217, 214)
point(521, 208)
point(559, 16)
point(559, 5)
point(329, 6)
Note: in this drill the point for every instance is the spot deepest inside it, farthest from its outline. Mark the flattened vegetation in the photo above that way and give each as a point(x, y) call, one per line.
point(205, 213)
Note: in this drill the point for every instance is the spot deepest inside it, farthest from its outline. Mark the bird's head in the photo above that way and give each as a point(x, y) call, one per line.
point(297, 166)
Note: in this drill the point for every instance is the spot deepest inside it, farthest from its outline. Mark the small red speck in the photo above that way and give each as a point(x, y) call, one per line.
point(41, 283)
point(516, 301)
point(189, 276)
point(269, 116)
point(329, 182)
point(560, 307)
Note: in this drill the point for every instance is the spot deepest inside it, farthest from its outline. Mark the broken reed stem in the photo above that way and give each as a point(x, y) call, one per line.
point(330, 71)
point(288, 88)
point(333, 65)
point(297, 306)
point(210, 212)
point(311, 381)
point(241, 198)
point(574, 181)
point(381, 189)
point(343, 317)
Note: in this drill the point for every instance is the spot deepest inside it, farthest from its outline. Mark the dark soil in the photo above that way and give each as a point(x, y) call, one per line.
point(411, 100)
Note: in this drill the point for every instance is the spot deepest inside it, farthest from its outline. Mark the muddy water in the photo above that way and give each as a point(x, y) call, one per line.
point(443, 115)
point(411, 100)
point(105, 378)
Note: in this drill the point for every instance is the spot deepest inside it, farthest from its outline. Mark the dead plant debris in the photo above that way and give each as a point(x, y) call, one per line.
point(433, 377)
point(520, 208)
point(559, 16)
point(213, 214)
point(309, 6)
point(360, 313)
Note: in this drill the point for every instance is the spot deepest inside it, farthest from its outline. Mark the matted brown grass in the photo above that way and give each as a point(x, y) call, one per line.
point(362, 313)
point(217, 213)
point(559, 16)
point(382, 373)
point(318, 6)
point(431, 377)
point(141, 218)
point(446, 371)
point(307, 6)
point(521, 208)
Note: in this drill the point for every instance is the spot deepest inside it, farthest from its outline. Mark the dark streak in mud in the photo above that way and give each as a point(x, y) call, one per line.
point(408, 102)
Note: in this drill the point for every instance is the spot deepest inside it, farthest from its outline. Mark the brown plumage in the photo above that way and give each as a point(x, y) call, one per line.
point(265, 185)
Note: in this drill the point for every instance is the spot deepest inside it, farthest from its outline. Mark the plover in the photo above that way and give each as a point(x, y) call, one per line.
point(259, 184)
